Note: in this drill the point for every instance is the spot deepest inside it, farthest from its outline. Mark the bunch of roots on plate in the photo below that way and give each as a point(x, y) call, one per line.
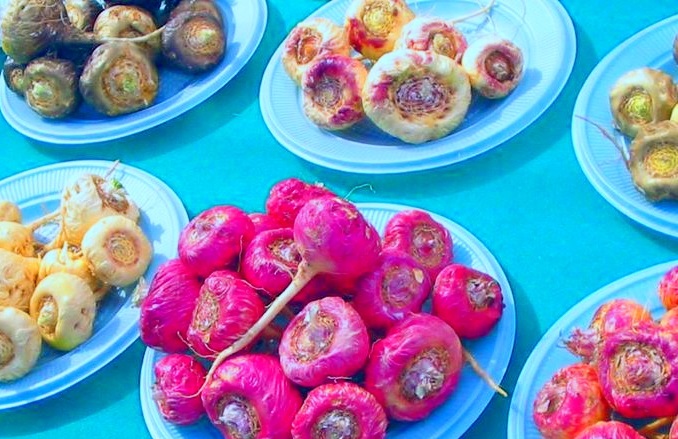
point(640, 97)
point(107, 55)
point(623, 381)
point(53, 287)
point(412, 76)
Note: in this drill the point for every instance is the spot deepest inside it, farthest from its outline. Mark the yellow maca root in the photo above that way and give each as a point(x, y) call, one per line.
point(117, 250)
point(68, 260)
point(84, 201)
point(16, 238)
point(18, 276)
point(9, 211)
point(20, 343)
point(63, 305)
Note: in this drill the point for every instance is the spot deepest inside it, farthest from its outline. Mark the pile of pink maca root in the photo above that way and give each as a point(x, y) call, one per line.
point(304, 322)
point(625, 383)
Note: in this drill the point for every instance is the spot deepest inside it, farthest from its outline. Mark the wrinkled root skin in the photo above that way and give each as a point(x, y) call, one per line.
point(251, 392)
point(653, 160)
point(415, 368)
point(668, 289)
point(638, 372)
point(569, 402)
point(340, 410)
point(609, 430)
point(609, 318)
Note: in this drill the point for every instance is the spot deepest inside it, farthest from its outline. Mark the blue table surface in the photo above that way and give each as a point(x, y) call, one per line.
point(527, 200)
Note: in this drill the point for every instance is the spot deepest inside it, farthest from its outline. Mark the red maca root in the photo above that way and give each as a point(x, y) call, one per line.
point(636, 370)
point(249, 396)
point(609, 318)
point(288, 196)
point(398, 287)
point(569, 402)
point(468, 300)
point(215, 239)
point(341, 410)
point(263, 222)
point(668, 288)
point(418, 234)
point(270, 262)
point(415, 368)
point(177, 379)
point(326, 339)
point(609, 430)
point(167, 309)
point(225, 310)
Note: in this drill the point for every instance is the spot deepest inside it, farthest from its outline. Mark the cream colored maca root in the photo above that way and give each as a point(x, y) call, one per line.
point(416, 96)
point(63, 305)
point(18, 277)
point(117, 250)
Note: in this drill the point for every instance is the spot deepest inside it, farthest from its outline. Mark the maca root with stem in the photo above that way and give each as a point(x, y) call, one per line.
point(84, 200)
point(30, 27)
point(329, 232)
point(611, 317)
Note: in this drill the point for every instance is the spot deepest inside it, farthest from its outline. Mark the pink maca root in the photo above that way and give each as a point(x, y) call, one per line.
point(609, 430)
point(609, 318)
point(340, 410)
point(668, 288)
point(167, 309)
point(215, 239)
point(415, 368)
point(398, 287)
point(263, 222)
point(178, 379)
point(415, 232)
point(249, 396)
point(670, 319)
point(468, 300)
point(326, 339)
point(637, 371)
point(288, 196)
point(330, 233)
point(333, 237)
point(569, 402)
point(225, 310)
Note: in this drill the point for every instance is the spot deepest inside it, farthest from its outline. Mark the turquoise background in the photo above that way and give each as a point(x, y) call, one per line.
point(527, 201)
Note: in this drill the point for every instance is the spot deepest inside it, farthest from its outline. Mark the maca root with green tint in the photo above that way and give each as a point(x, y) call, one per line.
point(119, 78)
point(194, 41)
point(50, 87)
point(640, 97)
point(653, 160)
